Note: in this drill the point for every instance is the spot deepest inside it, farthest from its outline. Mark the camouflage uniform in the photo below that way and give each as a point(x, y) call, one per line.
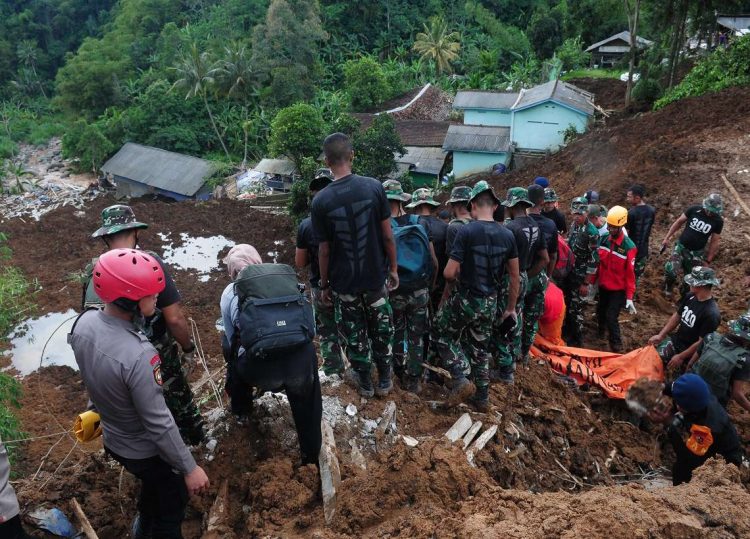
point(584, 243)
point(411, 324)
point(463, 326)
point(326, 324)
point(176, 388)
point(507, 350)
point(367, 328)
point(533, 308)
point(682, 259)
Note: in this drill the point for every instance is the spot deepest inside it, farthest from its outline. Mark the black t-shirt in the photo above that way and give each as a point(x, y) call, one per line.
point(169, 296)
point(348, 215)
point(549, 230)
point(640, 221)
point(437, 231)
point(306, 240)
point(697, 319)
point(453, 227)
point(699, 228)
point(483, 248)
point(529, 240)
point(558, 218)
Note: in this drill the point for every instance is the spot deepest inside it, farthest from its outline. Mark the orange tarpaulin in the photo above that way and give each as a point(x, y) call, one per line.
point(613, 373)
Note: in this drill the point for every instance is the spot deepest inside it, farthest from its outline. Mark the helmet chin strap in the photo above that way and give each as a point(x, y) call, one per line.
point(127, 305)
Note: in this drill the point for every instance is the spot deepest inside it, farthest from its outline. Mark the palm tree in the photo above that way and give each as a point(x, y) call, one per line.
point(197, 73)
point(438, 45)
point(27, 55)
point(237, 74)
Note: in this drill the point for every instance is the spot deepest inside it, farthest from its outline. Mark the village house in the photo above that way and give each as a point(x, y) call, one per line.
point(615, 49)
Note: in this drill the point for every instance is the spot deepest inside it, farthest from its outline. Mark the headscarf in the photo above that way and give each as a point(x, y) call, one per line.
point(239, 257)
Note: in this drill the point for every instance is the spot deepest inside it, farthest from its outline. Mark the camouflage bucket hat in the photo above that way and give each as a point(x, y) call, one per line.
point(740, 327)
point(116, 219)
point(394, 191)
point(550, 195)
point(516, 195)
point(422, 196)
point(714, 203)
point(596, 210)
point(479, 188)
point(579, 205)
point(462, 193)
point(323, 177)
point(702, 276)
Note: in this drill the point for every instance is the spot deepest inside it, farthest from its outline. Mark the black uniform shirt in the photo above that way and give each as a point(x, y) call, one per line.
point(699, 228)
point(558, 218)
point(697, 319)
point(306, 240)
point(529, 240)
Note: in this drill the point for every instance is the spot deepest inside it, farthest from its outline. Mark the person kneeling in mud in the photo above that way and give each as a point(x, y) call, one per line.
point(697, 427)
point(267, 343)
point(482, 251)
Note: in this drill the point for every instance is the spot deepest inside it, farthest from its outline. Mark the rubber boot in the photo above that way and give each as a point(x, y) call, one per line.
point(364, 383)
point(385, 381)
point(503, 374)
point(411, 384)
point(461, 389)
point(481, 399)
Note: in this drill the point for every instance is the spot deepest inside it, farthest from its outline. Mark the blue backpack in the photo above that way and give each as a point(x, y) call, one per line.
point(413, 252)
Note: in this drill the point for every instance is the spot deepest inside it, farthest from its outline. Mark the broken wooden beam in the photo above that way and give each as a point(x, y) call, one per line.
point(459, 428)
point(735, 194)
point(218, 526)
point(88, 531)
point(471, 433)
point(438, 370)
point(480, 442)
point(330, 472)
point(387, 421)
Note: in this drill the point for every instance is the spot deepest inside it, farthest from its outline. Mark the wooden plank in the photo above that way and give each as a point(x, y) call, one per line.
point(330, 472)
point(459, 428)
point(480, 442)
point(88, 531)
point(735, 194)
point(472, 432)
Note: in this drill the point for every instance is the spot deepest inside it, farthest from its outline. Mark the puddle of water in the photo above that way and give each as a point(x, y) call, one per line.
point(28, 339)
point(197, 254)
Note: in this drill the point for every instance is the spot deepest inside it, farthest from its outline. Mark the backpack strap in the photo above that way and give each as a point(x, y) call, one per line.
point(413, 219)
point(73, 327)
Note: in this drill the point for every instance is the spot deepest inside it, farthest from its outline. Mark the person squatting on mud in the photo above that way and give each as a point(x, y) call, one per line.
point(121, 370)
point(166, 327)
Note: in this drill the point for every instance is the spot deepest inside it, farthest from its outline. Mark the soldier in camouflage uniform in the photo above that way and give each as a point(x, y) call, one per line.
point(410, 301)
point(461, 216)
point(165, 329)
point(325, 314)
point(482, 251)
point(583, 240)
point(698, 243)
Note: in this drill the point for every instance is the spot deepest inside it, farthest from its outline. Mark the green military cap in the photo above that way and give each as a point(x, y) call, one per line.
point(741, 326)
point(516, 195)
point(714, 203)
point(422, 196)
point(550, 195)
point(579, 205)
point(702, 276)
point(394, 191)
point(461, 193)
point(116, 219)
point(480, 187)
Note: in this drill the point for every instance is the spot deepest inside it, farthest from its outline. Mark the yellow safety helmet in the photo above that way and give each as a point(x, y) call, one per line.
point(617, 216)
point(88, 426)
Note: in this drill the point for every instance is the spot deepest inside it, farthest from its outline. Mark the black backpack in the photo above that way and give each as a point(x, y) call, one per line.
point(275, 315)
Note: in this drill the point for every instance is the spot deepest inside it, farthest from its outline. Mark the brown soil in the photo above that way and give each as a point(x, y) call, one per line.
point(556, 464)
point(609, 94)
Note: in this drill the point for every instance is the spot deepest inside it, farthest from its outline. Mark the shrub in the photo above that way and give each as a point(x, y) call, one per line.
point(365, 82)
point(646, 91)
point(297, 132)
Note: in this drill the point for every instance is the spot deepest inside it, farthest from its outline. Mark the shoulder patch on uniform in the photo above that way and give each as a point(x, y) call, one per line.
point(154, 360)
point(700, 440)
point(156, 365)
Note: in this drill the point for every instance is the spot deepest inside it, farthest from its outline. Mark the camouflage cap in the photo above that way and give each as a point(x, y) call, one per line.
point(550, 195)
point(462, 193)
point(480, 187)
point(394, 191)
point(422, 196)
point(516, 195)
point(740, 327)
point(596, 210)
point(702, 276)
point(714, 203)
point(116, 219)
point(323, 177)
point(579, 205)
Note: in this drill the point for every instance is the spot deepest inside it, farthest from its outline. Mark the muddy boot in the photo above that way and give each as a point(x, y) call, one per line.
point(385, 381)
point(481, 399)
point(667, 289)
point(142, 528)
point(411, 384)
point(364, 383)
point(461, 389)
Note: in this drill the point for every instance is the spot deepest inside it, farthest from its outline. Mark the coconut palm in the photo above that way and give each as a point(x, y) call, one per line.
point(197, 72)
point(27, 55)
point(238, 76)
point(438, 45)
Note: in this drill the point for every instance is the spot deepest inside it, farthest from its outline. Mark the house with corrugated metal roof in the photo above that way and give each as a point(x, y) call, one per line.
point(615, 49)
point(542, 114)
point(485, 108)
point(138, 170)
point(477, 148)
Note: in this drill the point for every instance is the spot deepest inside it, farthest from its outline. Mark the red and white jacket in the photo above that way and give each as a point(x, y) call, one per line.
point(616, 270)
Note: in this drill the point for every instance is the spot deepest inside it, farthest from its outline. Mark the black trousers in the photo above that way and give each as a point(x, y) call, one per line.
point(163, 496)
point(296, 372)
point(611, 302)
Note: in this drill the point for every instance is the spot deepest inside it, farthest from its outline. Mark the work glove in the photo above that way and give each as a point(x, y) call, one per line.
point(188, 361)
point(88, 426)
point(630, 306)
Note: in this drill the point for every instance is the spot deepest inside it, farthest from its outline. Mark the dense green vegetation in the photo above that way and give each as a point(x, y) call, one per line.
point(209, 77)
